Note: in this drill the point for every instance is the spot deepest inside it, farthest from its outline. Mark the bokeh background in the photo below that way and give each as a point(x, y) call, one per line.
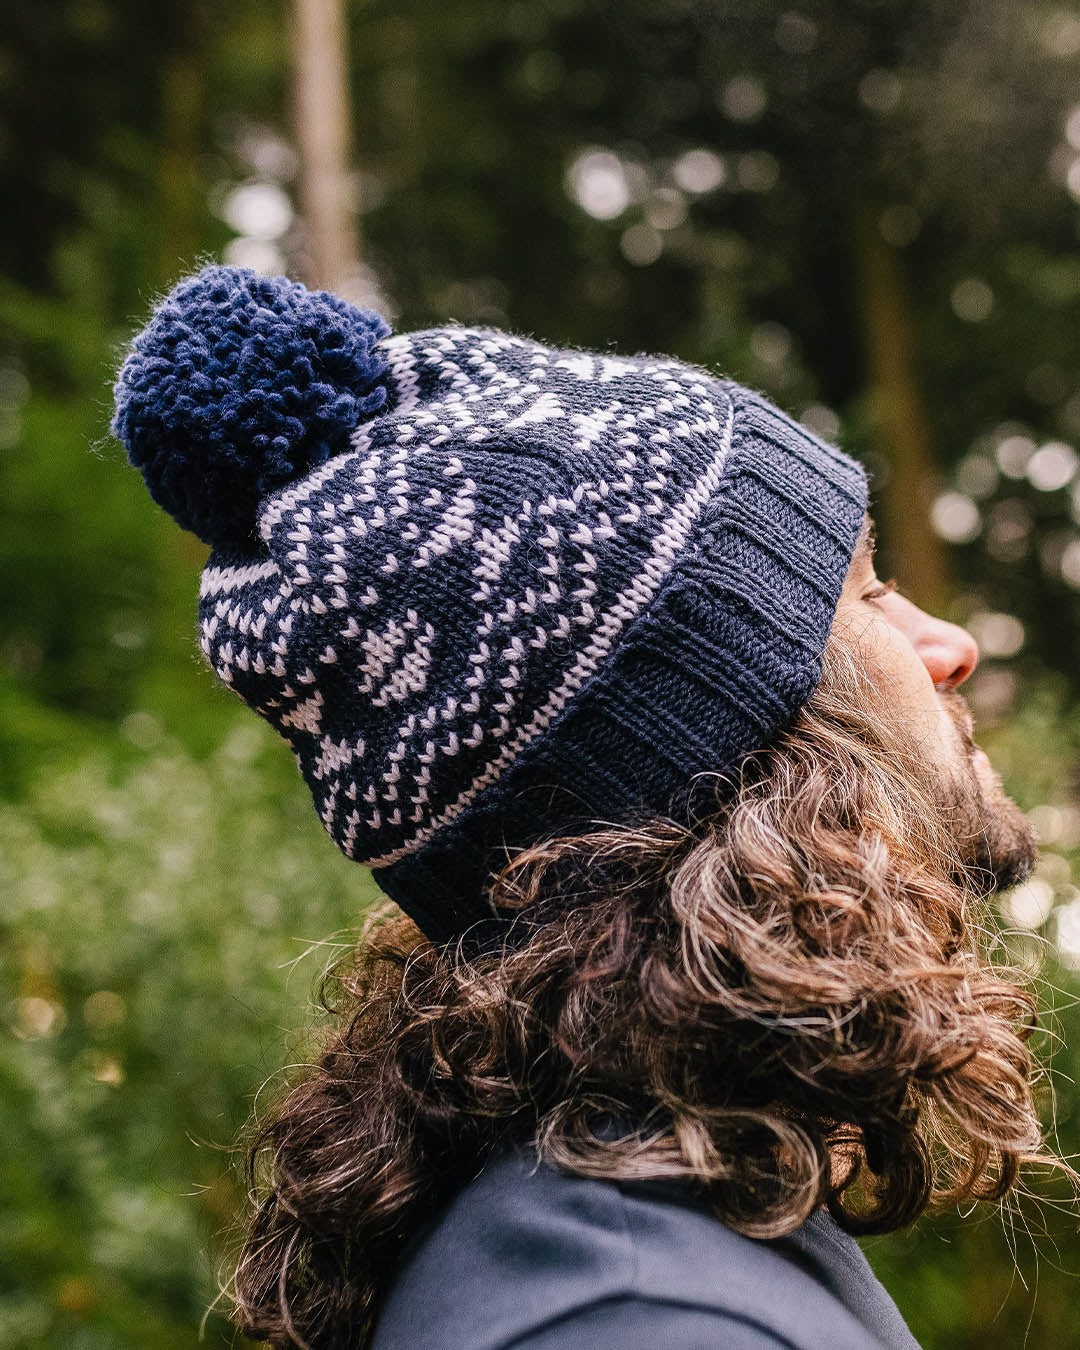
point(868, 209)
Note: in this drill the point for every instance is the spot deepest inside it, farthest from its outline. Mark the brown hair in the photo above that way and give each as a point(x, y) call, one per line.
point(787, 1005)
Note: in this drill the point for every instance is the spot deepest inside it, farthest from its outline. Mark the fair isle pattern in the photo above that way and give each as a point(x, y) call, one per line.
point(488, 591)
point(431, 601)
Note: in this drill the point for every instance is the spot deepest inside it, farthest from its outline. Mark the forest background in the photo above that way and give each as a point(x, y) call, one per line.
point(868, 209)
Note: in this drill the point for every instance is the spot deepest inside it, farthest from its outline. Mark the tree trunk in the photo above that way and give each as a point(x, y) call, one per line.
point(322, 134)
point(899, 421)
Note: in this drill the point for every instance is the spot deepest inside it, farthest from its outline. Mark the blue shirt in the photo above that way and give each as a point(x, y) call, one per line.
point(524, 1258)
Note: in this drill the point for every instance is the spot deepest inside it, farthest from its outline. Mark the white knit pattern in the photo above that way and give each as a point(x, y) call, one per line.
point(376, 550)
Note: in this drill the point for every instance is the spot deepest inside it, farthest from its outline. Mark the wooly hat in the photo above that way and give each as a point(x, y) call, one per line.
point(489, 591)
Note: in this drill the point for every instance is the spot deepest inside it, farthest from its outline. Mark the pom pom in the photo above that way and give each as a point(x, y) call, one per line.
point(238, 385)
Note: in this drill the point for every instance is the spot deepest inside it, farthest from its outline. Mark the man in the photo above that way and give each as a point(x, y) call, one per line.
point(587, 658)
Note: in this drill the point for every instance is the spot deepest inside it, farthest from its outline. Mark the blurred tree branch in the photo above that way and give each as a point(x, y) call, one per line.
point(321, 115)
point(898, 418)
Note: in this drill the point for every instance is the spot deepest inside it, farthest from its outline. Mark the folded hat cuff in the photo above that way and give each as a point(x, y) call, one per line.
point(715, 667)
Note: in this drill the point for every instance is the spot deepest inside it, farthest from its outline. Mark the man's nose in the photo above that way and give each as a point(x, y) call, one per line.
point(948, 651)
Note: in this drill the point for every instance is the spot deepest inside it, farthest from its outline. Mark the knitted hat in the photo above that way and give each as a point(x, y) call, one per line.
point(489, 591)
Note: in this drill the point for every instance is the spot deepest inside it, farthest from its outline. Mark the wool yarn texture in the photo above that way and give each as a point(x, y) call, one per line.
point(488, 590)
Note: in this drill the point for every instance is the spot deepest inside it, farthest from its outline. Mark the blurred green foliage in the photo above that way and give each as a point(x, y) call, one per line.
point(164, 918)
point(857, 207)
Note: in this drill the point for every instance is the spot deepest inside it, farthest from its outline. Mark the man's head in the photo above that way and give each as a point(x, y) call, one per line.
point(588, 652)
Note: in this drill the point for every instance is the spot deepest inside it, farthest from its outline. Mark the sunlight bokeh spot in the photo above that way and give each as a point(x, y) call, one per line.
point(955, 517)
point(999, 635)
point(699, 171)
point(597, 182)
point(1052, 466)
point(972, 300)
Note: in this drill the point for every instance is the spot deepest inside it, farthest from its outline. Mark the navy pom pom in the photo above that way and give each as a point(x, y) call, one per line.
point(238, 385)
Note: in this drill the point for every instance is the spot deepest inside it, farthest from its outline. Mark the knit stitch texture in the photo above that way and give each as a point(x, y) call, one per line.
point(238, 385)
point(539, 588)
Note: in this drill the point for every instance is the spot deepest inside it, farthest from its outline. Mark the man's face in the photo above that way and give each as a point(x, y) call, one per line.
point(914, 663)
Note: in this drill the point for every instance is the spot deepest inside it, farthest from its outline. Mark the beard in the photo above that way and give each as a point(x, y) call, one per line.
point(994, 840)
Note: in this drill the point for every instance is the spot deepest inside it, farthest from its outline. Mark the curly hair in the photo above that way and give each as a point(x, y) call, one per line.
point(787, 1003)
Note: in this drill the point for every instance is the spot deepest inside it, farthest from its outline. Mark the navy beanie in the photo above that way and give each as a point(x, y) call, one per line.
point(489, 591)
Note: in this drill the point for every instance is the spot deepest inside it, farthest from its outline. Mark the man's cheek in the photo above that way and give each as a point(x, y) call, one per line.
point(950, 733)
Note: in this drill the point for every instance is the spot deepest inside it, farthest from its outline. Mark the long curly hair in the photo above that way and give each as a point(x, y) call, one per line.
point(788, 1003)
